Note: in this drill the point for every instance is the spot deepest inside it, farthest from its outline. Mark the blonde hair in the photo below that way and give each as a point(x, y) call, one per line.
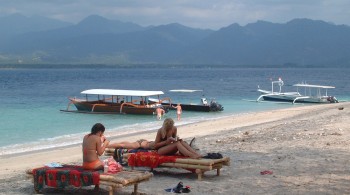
point(167, 126)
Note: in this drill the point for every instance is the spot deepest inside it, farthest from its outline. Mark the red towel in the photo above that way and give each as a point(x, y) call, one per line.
point(64, 176)
point(150, 159)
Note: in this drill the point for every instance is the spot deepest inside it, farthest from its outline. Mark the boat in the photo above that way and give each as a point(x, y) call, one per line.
point(115, 101)
point(311, 94)
point(202, 106)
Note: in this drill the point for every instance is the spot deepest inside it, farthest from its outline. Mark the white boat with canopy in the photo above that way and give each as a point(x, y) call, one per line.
point(113, 101)
point(310, 94)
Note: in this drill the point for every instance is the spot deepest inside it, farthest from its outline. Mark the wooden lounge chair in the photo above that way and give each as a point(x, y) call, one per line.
point(198, 166)
point(112, 182)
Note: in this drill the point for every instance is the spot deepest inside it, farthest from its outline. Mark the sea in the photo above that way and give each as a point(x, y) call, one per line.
point(31, 98)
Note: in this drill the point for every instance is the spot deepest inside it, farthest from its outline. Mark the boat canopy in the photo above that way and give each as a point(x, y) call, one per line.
point(118, 92)
point(185, 90)
point(314, 86)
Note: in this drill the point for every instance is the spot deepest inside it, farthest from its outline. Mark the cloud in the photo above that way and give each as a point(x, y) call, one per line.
point(194, 13)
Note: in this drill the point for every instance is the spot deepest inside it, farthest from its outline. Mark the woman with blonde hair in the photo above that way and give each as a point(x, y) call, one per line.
point(166, 142)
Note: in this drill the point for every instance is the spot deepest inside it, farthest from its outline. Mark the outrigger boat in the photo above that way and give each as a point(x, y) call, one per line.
point(296, 97)
point(112, 101)
point(202, 106)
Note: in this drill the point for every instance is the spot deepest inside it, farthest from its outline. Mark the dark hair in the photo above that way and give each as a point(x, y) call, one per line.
point(96, 128)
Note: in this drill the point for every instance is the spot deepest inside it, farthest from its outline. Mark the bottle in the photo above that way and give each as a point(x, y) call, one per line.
point(105, 167)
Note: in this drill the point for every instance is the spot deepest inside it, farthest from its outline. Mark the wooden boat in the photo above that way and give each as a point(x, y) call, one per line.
point(112, 101)
point(202, 106)
point(311, 94)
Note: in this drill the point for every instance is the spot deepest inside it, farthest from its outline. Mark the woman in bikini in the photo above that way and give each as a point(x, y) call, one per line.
point(94, 144)
point(167, 144)
point(142, 143)
point(178, 111)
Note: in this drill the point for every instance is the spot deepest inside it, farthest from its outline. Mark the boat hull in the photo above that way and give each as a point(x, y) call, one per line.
point(112, 108)
point(197, 107)
point(281, 98)
point(189, 107)
point(276, 98)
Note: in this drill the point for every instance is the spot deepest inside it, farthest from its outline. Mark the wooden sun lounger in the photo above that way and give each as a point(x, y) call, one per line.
point(200, 166)
point(121, 179)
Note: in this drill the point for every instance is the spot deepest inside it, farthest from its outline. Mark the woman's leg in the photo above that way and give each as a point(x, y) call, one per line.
point(194, 154)
point(186, 150)
point(188, 147)
point(177, 146)
point(168, 149)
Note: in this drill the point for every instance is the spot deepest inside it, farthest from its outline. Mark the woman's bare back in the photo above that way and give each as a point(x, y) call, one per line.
point(90, 143)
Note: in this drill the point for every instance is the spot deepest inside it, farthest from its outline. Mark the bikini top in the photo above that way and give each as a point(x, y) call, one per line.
point(163, 139)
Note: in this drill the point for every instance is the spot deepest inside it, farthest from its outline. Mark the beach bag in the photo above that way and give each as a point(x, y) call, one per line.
point(113, 166)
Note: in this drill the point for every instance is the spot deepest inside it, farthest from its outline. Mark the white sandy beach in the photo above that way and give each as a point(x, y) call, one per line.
point(306, 148)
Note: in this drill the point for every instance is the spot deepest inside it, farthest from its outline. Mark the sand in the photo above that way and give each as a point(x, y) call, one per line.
point(305, 147)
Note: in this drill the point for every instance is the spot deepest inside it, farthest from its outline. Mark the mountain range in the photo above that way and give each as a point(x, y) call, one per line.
point(97, 40)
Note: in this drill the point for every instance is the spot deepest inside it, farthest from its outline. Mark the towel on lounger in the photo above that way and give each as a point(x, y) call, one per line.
point(64, 176)
point(150, 159)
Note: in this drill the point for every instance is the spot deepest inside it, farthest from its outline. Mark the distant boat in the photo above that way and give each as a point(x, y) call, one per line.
point(202, 106)
point(311, 94)
point(112, 101)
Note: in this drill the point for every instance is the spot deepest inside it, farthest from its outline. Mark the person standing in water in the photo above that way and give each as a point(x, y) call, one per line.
point(160, 111)
point(178, 111)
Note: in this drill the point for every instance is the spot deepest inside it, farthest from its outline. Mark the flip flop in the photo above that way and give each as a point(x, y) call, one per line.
point(267, 172)
point(177, 189)
point(186, 189)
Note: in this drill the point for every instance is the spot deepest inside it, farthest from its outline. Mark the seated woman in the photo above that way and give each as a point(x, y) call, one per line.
point(94, 144)
point(142, 143)
point(166, 143)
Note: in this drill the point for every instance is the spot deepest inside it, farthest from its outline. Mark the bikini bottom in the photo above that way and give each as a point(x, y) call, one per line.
point(150, 144)
point(92, 165)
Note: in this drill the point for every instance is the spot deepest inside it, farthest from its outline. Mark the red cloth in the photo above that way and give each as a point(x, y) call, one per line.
point(113, 166)
point(150, 159)
point(64, 176)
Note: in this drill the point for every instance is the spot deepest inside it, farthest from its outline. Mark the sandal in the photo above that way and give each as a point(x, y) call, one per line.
point(177, 189)
point(186, 189)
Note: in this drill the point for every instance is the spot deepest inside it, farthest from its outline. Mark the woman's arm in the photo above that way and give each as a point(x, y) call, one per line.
point(157, 142)
point(101, 147)
point(174, 132)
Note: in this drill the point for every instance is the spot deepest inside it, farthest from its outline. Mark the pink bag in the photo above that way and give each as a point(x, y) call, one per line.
point(113, 166)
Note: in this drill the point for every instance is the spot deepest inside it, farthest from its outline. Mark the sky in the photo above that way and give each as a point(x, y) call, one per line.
point(204, 14)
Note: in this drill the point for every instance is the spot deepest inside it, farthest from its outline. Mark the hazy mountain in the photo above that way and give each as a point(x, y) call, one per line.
point(300, 41)
point(17, 24)
point(99, 40)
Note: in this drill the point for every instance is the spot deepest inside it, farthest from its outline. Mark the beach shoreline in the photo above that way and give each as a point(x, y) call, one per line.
point(297, 144)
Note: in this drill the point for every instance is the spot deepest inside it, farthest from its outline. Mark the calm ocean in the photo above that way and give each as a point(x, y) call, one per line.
point(30, 99)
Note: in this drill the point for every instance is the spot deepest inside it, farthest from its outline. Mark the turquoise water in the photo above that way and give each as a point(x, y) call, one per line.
point(31, 98)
